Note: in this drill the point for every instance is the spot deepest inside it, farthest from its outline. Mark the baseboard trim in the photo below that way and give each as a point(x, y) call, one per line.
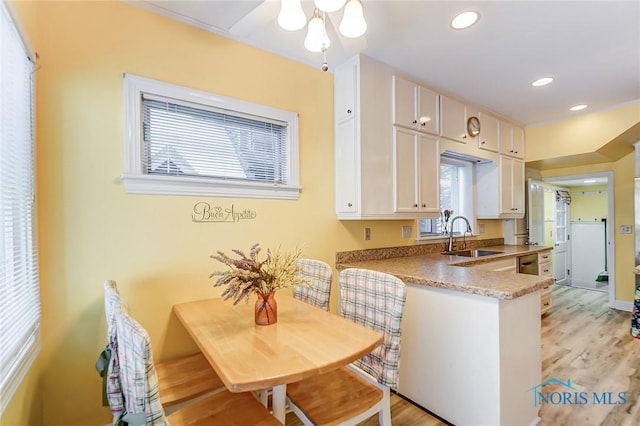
point(623, 305)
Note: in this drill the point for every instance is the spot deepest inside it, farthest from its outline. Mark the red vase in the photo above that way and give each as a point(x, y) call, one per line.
point(266, 309)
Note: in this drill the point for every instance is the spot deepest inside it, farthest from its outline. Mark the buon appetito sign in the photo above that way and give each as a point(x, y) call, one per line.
point(204, 212)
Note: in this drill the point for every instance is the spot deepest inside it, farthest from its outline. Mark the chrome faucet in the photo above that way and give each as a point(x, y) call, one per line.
point(450, 246)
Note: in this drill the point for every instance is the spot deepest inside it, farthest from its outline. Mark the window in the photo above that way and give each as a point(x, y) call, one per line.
point(19, 284)
point(456, 183)
point(185, 142)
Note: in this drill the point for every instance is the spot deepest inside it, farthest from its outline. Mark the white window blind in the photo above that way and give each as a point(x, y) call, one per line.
point(194, 140)
point(19, 287)
point(187, 142)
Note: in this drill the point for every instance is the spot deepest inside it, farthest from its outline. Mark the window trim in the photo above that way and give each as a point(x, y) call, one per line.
point(136, 181)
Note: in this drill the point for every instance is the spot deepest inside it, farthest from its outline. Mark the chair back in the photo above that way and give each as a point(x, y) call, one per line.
point(137, 374)
point(375, 300)
point(108, 360)
point(318, 291)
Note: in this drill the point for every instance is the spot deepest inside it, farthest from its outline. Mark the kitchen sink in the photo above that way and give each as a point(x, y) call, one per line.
point(472, 253)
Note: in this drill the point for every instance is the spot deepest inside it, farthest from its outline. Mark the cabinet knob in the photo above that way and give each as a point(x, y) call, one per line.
point(423, 124)
point(515, 152)
point(415, 205)
point(511, 151)
point(424, 205)
point(415, 121)
point(464, 136)
point(350, 205)
point(482, 142)
point(348, 111)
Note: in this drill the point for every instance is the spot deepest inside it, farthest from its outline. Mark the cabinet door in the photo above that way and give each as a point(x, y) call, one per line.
point(506, 185)
point(429, 169)
point(347, 168)
point(405, 112)
point(517, 142)
point(511, 140)
point(428, 111)
point(345, 91)
point(489, 135)
point(405, 170)
point(517, 186)
point(453, 119)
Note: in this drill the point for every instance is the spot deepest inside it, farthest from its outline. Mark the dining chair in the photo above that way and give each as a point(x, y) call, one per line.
point(318, 275)
point(180, 379)
point(142, 395)
point(349, 395)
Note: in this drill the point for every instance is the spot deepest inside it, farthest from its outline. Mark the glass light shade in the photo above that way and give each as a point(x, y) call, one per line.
point(577, 107)
point(353, 23)
point(291, 16)
point(317, 38)
point(542, 81)
point(329, 5)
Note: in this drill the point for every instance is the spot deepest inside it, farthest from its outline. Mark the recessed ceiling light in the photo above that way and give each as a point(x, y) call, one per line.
point(590, 181)
point(577, 107)
point(464, 20)
point(542, 81)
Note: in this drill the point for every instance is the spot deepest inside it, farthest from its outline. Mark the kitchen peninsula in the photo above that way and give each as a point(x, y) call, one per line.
point(471, 337)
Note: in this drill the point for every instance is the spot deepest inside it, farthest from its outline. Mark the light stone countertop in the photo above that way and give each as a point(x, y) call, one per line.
point(452, 273)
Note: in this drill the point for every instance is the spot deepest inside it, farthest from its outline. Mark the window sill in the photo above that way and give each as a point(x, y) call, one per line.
point(168, 185)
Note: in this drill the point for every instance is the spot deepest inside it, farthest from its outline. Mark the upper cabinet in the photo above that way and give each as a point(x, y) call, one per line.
point(453, 120)
point(416, 172)
point(345, 91)
point(511, 140)
point(415, 107)
point(489, 132)
point(500, 189)
point(370, 170)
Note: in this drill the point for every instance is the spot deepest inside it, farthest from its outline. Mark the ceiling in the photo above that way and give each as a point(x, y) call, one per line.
point(590, 48)
point(573, 183)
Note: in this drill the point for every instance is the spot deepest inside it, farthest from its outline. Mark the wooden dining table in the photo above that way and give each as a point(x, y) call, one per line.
point(304, 342)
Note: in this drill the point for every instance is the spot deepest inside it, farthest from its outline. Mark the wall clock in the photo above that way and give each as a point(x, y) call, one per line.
point(473, 126)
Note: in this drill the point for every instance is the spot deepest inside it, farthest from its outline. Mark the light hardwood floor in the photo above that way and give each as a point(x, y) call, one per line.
point(582, 340)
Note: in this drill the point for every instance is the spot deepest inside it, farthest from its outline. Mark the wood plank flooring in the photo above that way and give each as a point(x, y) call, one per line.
point(582, 340)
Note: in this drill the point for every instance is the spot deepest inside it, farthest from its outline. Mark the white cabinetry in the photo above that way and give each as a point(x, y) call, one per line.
point(489, 132)
point(415, 107)
point(416, 172)
point(364, 148)
point(500, 189)
point(453, 120)
point(511, 140)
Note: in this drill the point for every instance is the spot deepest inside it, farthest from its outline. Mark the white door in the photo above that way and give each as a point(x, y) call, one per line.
point(561, 264)
point(535, 212)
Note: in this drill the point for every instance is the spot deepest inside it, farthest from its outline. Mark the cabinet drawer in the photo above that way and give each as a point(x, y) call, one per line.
point(544, 257)
point(545, 269)
point(546, 303)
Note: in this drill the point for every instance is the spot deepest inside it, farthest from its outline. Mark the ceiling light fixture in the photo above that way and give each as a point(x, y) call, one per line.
point(353, 24)
point(590, 181)
point(577, 107)
point(464, 20)
point(542, 81)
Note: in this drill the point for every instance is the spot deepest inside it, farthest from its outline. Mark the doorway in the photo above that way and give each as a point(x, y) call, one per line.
point(579, 217)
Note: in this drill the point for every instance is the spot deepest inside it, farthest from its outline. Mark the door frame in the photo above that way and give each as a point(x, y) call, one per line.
point(611, 260)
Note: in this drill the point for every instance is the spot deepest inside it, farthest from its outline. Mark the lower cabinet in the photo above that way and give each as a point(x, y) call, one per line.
point(545, 269)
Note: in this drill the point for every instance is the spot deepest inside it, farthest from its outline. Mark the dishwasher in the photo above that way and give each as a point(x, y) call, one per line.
point(528, 264)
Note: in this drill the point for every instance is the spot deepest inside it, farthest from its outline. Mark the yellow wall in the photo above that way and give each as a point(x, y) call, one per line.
point(91, 230)
point(589, 202)
point(623, 171)
point(582, 134)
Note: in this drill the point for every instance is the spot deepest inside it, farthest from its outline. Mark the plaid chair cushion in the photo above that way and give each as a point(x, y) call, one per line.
point(137, 374)
point(318, 274)
point(375, 300)
point(113, 306)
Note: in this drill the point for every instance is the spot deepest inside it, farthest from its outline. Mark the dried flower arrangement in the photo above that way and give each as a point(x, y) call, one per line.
point(248, 275)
